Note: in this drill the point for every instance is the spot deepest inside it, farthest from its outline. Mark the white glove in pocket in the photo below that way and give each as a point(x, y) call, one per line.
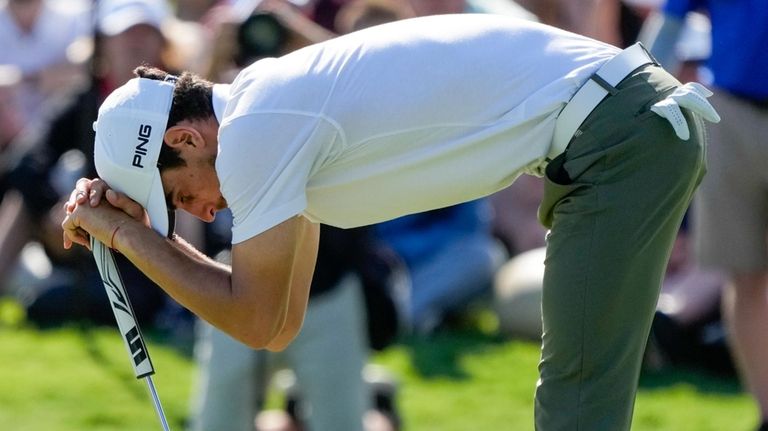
point(692, 96)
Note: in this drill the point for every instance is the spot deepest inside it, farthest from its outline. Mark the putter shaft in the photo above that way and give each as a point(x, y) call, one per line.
point(126, 322)
point(156, 402)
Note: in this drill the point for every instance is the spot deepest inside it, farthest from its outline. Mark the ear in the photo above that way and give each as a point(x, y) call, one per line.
point(181, 136)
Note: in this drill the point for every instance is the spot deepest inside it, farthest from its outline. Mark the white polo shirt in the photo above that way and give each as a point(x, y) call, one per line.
point(396, 119)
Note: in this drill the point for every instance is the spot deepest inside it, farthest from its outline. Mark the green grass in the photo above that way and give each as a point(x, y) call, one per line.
point(470, 381)
point(79, 378)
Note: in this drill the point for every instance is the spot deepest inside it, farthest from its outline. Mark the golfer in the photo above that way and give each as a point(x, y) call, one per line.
point(402, 118)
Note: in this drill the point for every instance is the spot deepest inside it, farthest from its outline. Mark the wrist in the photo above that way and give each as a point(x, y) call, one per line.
point(113, 236)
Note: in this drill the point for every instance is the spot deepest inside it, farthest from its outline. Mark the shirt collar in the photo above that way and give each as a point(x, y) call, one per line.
point(219, 99)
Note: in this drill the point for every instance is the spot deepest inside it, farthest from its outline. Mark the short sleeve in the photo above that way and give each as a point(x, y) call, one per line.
point(263, 165)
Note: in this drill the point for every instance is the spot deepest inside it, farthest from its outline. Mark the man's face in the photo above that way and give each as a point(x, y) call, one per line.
point(194, 188)
point(25, 12)
point(140, 44)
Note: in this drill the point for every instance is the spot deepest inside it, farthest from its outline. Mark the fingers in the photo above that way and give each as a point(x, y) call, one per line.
point(81, 190)
point(73, 234)
point(698, 104)
point(66, 241)
point(97, 189)
point(89, 190)
point(126, 204)
point(670, 110)
point(78, 236)
point(79, 195)
point(704, 91)
point(70, 204)
point(693, 96)
point(85, 202)
point(86, 190)
point(86, 239)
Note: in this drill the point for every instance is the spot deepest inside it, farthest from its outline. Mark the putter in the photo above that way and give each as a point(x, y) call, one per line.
point(126, 322)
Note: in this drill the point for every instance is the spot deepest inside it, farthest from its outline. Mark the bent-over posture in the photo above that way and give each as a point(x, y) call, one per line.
point(403, 118)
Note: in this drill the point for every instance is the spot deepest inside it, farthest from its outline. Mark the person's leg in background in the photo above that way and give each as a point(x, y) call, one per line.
point(731, 223)
point(614, 202)
point(15, 231)
point(231, 385)
point(328, 357)
point(448, 280)
point(745, 308)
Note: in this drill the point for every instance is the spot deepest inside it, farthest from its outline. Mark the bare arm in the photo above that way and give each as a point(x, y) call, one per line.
point(260, 300)
point(301, 281)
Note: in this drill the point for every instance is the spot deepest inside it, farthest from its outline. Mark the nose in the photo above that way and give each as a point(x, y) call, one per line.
point(206, 213)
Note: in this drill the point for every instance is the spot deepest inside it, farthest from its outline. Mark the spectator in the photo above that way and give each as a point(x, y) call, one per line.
point(731, 216)
point(613, 21)
point(687, 329)
point(328, 356)
point(451, 257)
point(501, 7)
point(514, 215)
point(326, 12)
point(194, 10)
point(242, 35)
point(129, 34)
point(359, 14)
point(36, 35)
point(11, 120)
point(689, 294)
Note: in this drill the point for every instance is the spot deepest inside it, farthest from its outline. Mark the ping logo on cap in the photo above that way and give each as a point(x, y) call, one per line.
point(145, 131)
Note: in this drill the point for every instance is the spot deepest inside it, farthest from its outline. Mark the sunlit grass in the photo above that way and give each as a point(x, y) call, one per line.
point(78, 378)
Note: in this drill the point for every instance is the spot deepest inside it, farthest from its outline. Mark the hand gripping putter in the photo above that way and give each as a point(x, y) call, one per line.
point(126, 322)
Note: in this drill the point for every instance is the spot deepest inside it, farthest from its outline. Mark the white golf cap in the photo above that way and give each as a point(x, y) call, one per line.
point(129, 135)
point(117, 16)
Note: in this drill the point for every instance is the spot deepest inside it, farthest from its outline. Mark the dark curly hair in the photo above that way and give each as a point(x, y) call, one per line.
point(192, 100)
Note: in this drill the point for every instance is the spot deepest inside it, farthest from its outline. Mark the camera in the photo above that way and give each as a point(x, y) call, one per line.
point(260, 35)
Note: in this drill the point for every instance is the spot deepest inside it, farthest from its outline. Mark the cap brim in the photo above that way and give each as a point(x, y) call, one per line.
point(156, 207)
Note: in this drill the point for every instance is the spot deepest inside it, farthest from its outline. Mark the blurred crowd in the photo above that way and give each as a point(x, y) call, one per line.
point(414, 276)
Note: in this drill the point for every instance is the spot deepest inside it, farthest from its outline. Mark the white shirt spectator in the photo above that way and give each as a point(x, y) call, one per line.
point(41, 46)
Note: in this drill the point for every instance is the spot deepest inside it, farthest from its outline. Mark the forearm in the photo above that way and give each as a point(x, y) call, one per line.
point(202, 285)
point(190, 250)
point(249, 300)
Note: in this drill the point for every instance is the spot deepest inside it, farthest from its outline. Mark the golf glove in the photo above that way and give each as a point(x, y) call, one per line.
point(692, 96)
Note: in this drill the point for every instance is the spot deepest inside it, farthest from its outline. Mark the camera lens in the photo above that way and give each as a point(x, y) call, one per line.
point(261, 35)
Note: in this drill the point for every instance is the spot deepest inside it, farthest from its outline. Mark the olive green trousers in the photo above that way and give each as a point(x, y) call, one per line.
point(613, 203)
